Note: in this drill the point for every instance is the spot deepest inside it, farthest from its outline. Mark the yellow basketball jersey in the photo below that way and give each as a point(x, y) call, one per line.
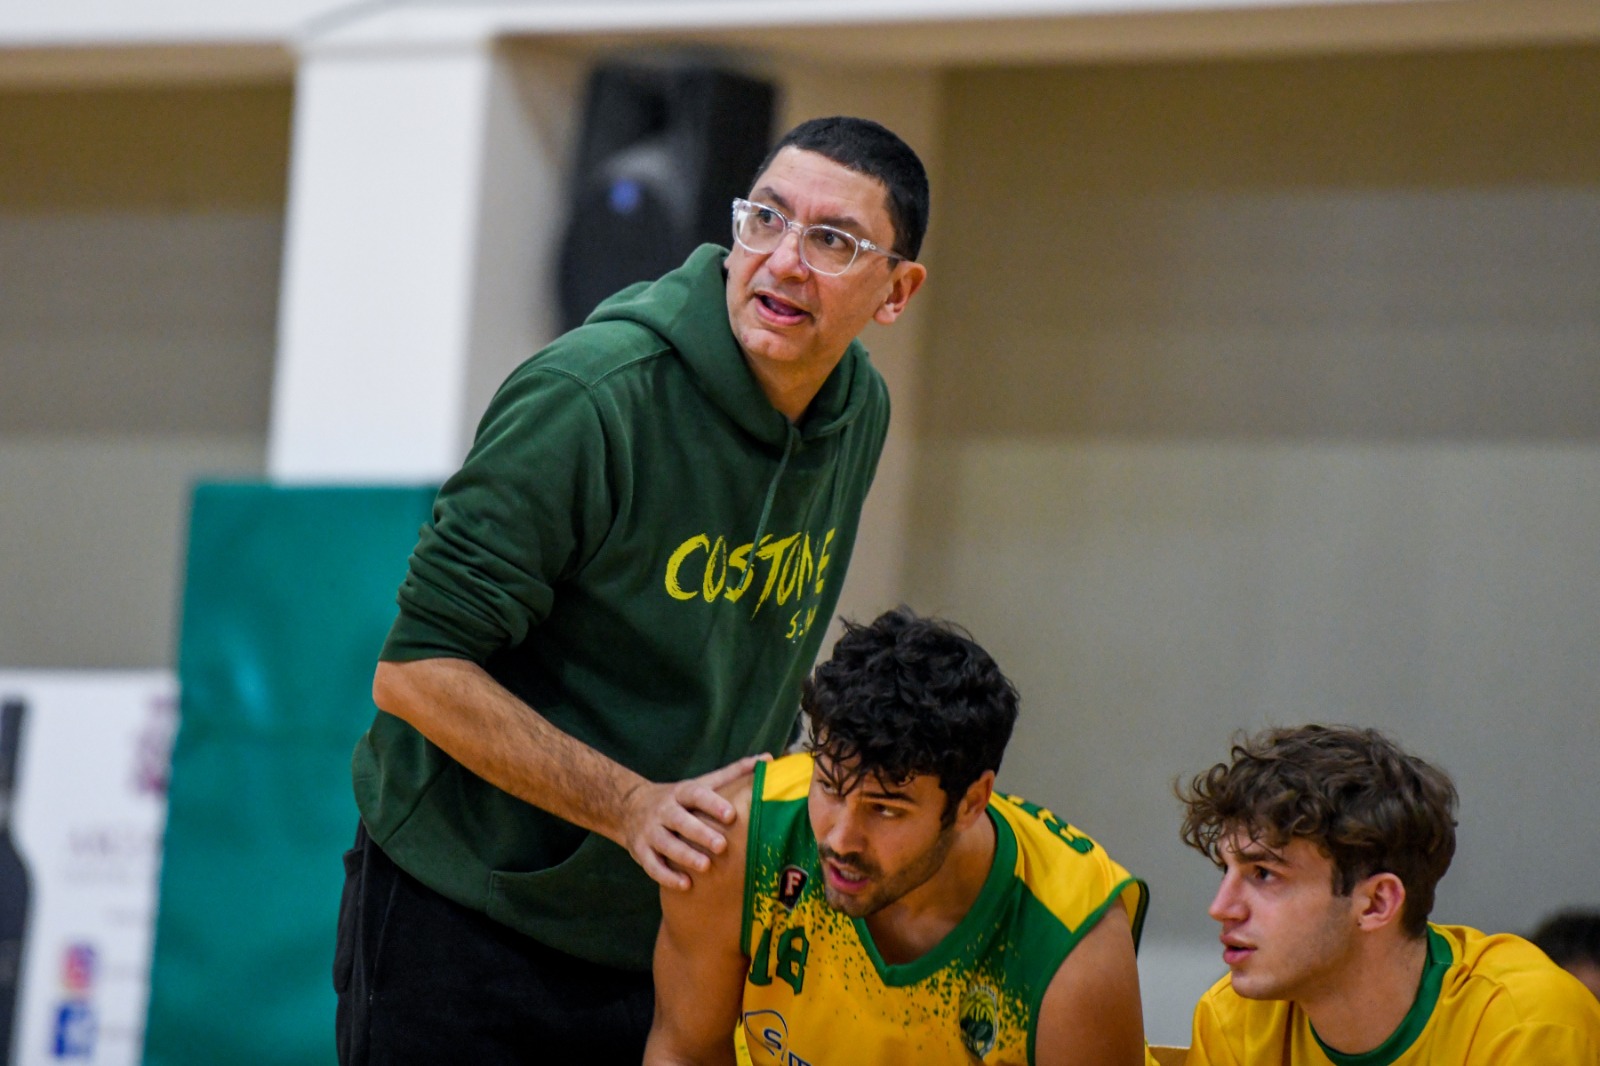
point(1484, 1001)
point(818, 993)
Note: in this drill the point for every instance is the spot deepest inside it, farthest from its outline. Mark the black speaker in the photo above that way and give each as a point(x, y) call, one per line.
point(663, 152)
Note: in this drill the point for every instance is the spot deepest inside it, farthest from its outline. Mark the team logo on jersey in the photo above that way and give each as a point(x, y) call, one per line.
point(791, 882)
point(979, 1016)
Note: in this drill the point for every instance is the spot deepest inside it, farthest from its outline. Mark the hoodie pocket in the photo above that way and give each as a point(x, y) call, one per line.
point(597, 904)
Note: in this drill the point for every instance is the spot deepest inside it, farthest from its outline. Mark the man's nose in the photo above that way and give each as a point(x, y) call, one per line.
point(786, 258)
point(844, 833)
point(1227, 904)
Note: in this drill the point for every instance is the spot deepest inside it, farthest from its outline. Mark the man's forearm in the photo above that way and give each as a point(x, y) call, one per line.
point(480, 724)
point(668, 827)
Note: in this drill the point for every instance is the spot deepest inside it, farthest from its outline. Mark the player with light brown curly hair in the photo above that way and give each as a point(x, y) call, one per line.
point(1331, 841)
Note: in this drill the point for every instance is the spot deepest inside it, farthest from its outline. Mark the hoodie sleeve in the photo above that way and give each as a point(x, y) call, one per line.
point(528, 506)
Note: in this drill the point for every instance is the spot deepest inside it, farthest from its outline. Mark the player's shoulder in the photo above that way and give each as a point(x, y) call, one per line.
point(1065, 869)
point(1049, 845)
point(1035, 822)
point(1493, 959)
point(773, 782)
point(785, 778)
point(775, 804)
point(722, 884)
point(1513, 979)
point(740, 793)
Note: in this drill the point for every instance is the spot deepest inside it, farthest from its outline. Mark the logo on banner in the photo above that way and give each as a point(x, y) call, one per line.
point(75, 1027)
point(77, 968)
point(75, 1030)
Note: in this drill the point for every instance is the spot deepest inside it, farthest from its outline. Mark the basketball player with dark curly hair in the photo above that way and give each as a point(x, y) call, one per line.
point(886, 904)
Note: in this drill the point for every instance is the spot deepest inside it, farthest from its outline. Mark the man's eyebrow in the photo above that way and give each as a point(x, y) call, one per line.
point(768, 195)
point(1258, 853)
point(885, 792)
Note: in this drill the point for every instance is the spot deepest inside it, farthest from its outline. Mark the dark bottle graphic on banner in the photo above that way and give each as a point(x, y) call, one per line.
point(14, 892)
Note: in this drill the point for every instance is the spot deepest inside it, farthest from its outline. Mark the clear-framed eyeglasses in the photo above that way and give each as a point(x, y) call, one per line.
point(826, 250)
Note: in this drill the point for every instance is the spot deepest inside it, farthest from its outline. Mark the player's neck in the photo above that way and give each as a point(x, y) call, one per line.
point(1371, 998)
point(914, 924)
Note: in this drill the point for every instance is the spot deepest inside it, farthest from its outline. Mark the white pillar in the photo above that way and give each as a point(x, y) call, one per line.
point(426, 194)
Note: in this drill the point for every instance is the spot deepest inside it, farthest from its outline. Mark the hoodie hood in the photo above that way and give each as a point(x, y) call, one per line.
point(687, 308)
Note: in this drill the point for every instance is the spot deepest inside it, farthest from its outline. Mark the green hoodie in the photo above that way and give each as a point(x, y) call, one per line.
point(594, 554)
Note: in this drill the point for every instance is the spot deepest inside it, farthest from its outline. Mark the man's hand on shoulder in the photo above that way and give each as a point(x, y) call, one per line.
point(674, 830)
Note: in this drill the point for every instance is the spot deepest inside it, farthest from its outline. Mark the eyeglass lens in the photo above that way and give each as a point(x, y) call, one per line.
point(823, 248)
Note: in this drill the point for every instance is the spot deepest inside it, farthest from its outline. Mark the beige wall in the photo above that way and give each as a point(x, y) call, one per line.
point(1270, 392)
point(140, 234)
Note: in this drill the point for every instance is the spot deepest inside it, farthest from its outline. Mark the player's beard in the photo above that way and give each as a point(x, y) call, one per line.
point(880, 890)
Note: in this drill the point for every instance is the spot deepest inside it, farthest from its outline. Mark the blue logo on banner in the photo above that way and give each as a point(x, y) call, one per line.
point(75, 1030)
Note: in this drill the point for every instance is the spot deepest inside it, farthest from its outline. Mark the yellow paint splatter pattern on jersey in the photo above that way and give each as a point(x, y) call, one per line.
point(818, 993)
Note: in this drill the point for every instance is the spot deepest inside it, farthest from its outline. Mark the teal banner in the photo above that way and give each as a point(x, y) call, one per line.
point(288, 595)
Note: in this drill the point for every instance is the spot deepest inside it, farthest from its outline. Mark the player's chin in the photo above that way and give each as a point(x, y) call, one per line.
point(1253, 986)
point(850, 905)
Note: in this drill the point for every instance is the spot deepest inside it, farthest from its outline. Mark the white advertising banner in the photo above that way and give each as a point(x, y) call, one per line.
point(86, 825)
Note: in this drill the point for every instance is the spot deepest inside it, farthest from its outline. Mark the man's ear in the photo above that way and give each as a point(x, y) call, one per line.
point(1378, 901)
point(975, 800)
point(908, 278)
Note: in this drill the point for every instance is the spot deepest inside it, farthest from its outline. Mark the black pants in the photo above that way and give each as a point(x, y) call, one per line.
point(422, 979)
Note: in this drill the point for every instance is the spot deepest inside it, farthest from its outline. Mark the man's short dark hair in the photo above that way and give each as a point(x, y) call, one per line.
point(908, 695)
point(868, 148)
point(1368, 805)
point(1570, 936)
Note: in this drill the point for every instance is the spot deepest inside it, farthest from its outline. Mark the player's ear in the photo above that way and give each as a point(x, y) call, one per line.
point(1379, 901)
point(975, 800)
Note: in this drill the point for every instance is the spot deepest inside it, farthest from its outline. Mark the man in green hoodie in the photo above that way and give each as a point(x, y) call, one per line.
point(610, 615)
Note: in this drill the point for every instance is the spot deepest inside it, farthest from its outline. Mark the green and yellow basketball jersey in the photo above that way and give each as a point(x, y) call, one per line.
point(819, 994)
point(1484, 1000)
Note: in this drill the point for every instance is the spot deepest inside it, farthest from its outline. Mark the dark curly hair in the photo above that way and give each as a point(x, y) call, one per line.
point(1370, 806)
point(908, 695)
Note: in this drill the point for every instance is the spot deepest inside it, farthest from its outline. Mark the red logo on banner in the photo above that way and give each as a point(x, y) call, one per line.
point(77, 967)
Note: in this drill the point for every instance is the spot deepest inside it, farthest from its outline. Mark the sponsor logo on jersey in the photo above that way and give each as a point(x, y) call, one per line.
point(767, 1040)
point(979, 1018)
point(791, 882)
